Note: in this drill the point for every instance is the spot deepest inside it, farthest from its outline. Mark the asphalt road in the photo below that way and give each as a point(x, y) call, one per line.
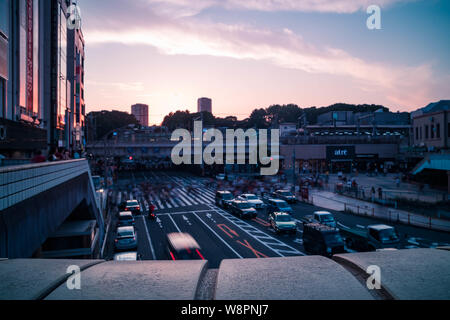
point(224, 236)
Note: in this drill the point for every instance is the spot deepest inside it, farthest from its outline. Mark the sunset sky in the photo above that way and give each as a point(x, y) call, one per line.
point(247, 54)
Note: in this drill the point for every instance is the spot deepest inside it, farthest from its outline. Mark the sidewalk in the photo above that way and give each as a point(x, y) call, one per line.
point(333, 201)
point(405, 190)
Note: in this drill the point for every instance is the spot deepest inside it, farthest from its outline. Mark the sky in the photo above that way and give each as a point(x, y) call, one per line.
point(247, 54)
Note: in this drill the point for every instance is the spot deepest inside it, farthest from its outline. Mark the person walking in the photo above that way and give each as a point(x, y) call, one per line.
point(373, 194)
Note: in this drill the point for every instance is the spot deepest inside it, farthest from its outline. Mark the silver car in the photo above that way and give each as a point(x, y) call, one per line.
point(125, 239)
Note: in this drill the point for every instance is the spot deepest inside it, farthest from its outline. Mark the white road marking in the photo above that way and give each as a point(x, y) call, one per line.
point(219, 237)
point(149, 239)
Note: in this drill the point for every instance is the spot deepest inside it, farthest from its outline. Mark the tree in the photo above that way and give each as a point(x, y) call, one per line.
point(103, 122)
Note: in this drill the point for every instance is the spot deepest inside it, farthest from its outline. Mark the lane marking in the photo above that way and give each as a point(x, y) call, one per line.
point(255, 252)
point(224, 226)
point(149, 239)
point(219, 237)
point(176, 226)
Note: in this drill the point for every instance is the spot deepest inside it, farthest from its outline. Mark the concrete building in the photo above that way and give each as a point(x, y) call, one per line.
point(431, 126)
point(35, 87)
point(140, 111)
point(75, 72)
point(287, 129)
point(336, 118)
point(204, 105)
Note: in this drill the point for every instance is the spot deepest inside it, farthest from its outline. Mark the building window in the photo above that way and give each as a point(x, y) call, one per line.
point(417, 133)
point(438, 130)
point(420, 133)
point(432, 131)
point(448, 130)
point(2, 98)
point(426, 132)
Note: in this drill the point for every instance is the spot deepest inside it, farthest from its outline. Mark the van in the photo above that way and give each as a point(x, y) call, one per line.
point(322, 240)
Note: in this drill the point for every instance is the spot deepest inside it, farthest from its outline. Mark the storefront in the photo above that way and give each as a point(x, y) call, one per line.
point(340, 158)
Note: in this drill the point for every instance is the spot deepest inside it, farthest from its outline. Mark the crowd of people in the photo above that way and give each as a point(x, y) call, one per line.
point(55, 154)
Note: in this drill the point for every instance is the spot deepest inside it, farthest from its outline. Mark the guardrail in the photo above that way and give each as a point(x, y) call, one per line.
point(18, 183)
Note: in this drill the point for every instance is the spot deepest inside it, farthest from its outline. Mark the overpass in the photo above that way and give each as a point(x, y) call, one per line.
point(36, 199)
point(410, 274)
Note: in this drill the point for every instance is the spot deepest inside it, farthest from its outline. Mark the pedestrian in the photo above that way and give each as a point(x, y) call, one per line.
point(397, 181)
point(380, 193)
point(372, 191)
point(38, 157)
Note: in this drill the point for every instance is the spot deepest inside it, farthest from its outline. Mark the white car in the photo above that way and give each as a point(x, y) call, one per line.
point(254, 201)
point(220, 176)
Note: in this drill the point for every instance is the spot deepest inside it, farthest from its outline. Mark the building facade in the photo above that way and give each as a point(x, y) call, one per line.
point(432, 130)
point(140, 111)
point(75, 71)
point(35, 87)
point(204, 105)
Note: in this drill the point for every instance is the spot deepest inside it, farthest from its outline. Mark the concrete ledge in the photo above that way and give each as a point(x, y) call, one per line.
point(443, 248)
point(31, 279)
point(411, 274)
point(136, 280)
point(293, 278)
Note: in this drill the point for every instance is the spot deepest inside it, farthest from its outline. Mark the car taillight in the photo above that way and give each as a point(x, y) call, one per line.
point(172, 256)
point(126, 209)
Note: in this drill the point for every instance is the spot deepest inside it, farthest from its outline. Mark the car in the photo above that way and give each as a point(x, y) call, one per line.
point(133, 206)
point(285, 195)
point(322, 240)
point(125, 239)
point(243, 209)
point(127, 256)
point(322, 217)
point(224, 198)
point(126, 219)
point(254, 201)
point(278, 205)
point(282, 222)
point(220, 176)
point(182, 246)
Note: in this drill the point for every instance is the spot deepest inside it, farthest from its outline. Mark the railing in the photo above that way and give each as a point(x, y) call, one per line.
point(341, 140)
point(18, 183)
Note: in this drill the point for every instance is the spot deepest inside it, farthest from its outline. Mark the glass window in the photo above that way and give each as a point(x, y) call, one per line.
point(4, 17)
point(432, 131)
point(438, 130)
point(426, 132)
point(2, 98)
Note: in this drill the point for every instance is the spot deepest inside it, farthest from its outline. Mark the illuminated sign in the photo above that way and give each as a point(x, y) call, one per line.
point(29, 51)
point(341, 153)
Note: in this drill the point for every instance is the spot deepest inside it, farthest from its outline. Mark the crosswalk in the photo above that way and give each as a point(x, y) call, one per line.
point(179, 197)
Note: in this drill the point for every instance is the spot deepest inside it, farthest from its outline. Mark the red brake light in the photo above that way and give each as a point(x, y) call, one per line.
point(171, 254)
point(198, 252)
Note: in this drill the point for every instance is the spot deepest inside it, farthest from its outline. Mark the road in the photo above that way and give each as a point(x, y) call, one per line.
point(222, 235)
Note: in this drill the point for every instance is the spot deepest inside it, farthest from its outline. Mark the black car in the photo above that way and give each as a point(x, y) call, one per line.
point(224, 198)
point(278, 205)
point(243, 209)
point(285, 195)
point(133, 206)
point(322, 240)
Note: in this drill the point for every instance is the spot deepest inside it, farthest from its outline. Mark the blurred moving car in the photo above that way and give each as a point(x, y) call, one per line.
point(282, 222)
point(182, 246)
point(125, 239)
point(224, 198)
point(285, 195)
point(278, 205)
point(126, 219)
point(322, 240)
point(127, 256)
point(243, 209)
point(133, 206)
point(254, 201)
